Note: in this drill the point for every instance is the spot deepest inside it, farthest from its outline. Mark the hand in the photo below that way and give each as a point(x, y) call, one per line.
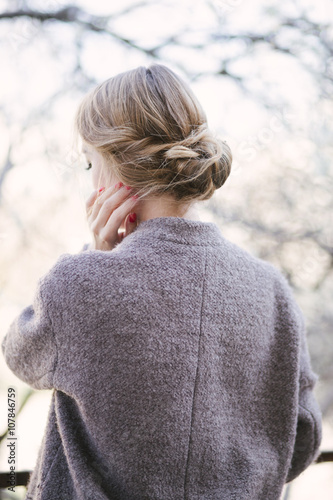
point(108, 211)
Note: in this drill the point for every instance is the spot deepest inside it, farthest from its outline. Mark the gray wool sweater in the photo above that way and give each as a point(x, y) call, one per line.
point(178, 366)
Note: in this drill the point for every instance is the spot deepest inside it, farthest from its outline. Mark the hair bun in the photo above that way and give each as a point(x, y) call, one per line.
point(179, 151)
point(200, 161)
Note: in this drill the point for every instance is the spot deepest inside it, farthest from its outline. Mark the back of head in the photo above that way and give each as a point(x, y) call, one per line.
point(153, 134)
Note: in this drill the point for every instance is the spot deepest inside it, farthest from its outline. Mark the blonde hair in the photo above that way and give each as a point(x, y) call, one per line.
point(153, 135)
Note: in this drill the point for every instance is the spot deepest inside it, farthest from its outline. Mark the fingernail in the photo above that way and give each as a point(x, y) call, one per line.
point(132, 217)
point(101, 189)
point(118, 185)
point(135, 197)
point(128, 188)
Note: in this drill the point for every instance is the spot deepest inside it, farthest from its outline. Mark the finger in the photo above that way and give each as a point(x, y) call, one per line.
point(106, 193)
point(90, 201)
point(103, 212)
point(120, 236)
point(110, 230)
point(130, 223)
point(97, 203)
point(103, 195)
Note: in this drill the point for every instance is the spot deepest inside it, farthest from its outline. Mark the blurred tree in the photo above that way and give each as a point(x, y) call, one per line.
point(280, 202)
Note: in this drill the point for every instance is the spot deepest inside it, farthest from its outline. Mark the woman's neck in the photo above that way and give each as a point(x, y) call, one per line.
point(163, 207)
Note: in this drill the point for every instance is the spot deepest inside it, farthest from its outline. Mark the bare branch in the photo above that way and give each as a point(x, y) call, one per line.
point(75, 15)
point(8, 165)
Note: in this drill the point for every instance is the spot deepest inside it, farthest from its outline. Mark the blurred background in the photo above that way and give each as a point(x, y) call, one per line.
point(263, 71)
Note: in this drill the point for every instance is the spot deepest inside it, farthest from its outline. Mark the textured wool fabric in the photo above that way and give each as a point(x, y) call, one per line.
point(179, 369)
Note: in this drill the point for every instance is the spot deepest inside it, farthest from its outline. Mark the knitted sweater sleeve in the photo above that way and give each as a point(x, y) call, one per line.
point(86, 246)
point(309, 421)
point(29, 346)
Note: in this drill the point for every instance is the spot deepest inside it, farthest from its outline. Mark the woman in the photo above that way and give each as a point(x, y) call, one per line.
point(178, 361)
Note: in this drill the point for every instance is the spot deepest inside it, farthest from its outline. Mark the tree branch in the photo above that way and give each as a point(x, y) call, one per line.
point(73, 14)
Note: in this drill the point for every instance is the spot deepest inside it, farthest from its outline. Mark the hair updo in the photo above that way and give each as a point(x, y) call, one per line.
point(153, 134)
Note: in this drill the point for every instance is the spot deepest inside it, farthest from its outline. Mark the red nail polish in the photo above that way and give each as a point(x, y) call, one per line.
point(101, 189)
point(118, 185)
point(135, 197)
point(128, 188)
point(132, 217)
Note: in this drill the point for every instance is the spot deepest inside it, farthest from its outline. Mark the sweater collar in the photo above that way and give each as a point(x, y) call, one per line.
point(178, 230)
